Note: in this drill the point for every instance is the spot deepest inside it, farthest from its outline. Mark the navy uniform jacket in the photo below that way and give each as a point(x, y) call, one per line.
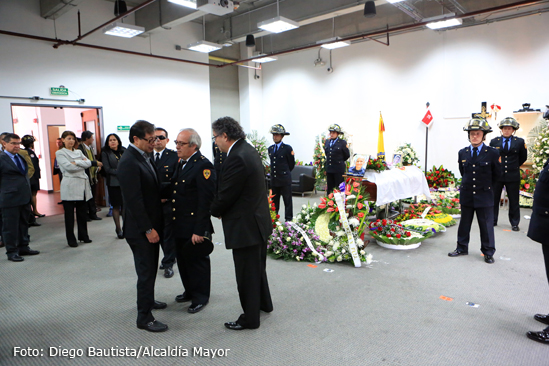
point(36, 163)
point(478, 177)
point(539, 223)
point(510, 160)
point(166, 166)
point(193, 189)
point(282, 165)
point(14, 186)
point(336, 156)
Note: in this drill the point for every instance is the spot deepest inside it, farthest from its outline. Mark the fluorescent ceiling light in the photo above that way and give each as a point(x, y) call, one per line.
point(278, 24)
point(188, 3)
point(264, 58)
point(445, 23)
point(333, 43)
point(123, 30)
point(389, 1)
point(204, 46)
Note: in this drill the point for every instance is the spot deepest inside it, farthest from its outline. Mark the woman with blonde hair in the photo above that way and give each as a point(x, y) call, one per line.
point(75, 187)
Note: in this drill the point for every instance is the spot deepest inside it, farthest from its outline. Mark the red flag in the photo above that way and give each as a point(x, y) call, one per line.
point(428, 118)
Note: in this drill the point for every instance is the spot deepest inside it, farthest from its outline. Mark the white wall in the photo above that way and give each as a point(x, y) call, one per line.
point(169, 94)
point(503, 63)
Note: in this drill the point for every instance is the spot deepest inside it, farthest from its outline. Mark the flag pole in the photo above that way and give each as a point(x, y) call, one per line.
point(426, 145)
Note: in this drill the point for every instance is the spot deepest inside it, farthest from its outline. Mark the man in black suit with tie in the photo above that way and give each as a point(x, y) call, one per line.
point(480, 167)
point(193, 187)
point(513, 154)
point(337, 152)
point(282, 163)
point(143, 219)
point(15, 198)
point(165, 161)
point(241, 202)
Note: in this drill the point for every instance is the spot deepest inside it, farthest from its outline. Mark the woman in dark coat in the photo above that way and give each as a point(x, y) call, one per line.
point(28, 143)
point(110, 155)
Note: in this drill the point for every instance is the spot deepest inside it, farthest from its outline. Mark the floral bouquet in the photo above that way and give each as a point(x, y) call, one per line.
point(528, 181)
point(260, 144)
point(540, 150)
point(272, 207)
point(287, 243)
point(319, 160)
point(448, 204)
point(415, 211)
point(299, 162)
point(378, 165)
point(386, 231)
point(423, 225)
point(408, 154)
point(439, 177)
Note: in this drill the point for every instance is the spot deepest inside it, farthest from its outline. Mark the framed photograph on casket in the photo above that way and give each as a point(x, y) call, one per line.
point(397, 158)
point(358, 165)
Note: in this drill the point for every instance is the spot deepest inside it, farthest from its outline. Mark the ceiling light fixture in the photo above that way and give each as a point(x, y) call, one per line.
point(443, 21)
point(394, 1)
point(262, 58)
point(123, 30)
point(120, 7)
point(187, 3)
point(204, 46)
point(333, 43)
point(369, 9)
point(278, 24)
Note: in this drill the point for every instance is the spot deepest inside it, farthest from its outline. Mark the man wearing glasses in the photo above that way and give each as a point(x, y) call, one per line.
point(165, 161)
point(143, 218)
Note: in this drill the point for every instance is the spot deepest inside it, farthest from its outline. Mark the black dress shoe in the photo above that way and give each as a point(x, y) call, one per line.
point(95, 218)
point(542, 318)
point(183, 298)
point(457, 253)
point(87, 241)
point(168, 272)
point(489, 259)
point(154, 326)
point(120, 234)
point(196, 308)
point(16, 258)
point(73, 245)
point(1, 244)
point(39, 215)
point(515, 228)
point(541, 337)
point(161, 267)
point(34, 224)
point(234, 326)
point(29, 251)
point(158, 305)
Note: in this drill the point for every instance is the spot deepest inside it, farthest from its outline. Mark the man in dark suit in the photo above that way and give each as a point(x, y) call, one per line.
point(86, 147)
point(282, 163)
point(218, 156)
point(143, 220)
point(337, 152)
point(241, 202)
point(15, 198)
point(165, 161)
point(480, 167)
point(538, 232)
point(193, 187)
point(513, 154)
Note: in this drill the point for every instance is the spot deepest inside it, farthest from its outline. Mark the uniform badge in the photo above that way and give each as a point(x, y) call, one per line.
point(463, 161)
point(499, 159)
point(207, 173)
point(292, 152)
point(525, 146)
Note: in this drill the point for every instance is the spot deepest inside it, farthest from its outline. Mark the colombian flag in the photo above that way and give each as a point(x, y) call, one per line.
point(380, 144)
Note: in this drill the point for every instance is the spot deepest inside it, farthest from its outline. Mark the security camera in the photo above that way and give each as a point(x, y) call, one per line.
point(256, 77)
point(330, 70)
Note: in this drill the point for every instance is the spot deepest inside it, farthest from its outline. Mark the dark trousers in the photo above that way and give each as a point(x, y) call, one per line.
point(485, 218)
point(81, 220)
point(333, 180)
point(286, 193)
point(92, 208)
point(545, 249)
point(195, 274)
point(145, 257)
point(251, 280)
point(15, 228)
point(168, 240)
point(513, 194)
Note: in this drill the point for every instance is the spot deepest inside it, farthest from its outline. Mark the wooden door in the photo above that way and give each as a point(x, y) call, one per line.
point(90, 122)
point(54, 132)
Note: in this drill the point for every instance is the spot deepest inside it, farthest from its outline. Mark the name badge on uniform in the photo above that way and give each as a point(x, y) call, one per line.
point(207, 173)
point(463, 161)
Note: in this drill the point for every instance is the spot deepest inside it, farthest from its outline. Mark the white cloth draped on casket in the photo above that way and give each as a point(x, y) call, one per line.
point(398, 183)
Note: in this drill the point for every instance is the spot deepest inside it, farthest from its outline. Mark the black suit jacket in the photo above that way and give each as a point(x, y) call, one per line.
point(193, 190)
point(478, 177)
point(510, 160)
point(539, 223)
point(166, 165)
point(241, 199)
point(336, 156)
point(282, 164)
point(14, 186)
point(140, 188)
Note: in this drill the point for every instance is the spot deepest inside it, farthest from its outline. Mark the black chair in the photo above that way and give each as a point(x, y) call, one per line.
point(303, 179)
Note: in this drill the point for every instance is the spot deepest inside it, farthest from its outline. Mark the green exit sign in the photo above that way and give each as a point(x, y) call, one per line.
point(122, 128)
point(59, 91)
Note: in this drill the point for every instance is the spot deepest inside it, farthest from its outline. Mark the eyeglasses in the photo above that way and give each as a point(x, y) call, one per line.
point(181, 143)
point(161, 137)
point(214, 137)
point(14, 143)
point(151, 140)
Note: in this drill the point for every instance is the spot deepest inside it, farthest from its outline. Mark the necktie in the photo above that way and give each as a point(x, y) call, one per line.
point(157, 158)
point(19, 165)
point(475, 154)
point(506, 144)
point(276, 149)
point(182, 162)
point(332, 143)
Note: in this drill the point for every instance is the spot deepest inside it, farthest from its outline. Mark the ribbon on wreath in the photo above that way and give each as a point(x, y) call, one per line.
point(339, 198)
point(307, 240)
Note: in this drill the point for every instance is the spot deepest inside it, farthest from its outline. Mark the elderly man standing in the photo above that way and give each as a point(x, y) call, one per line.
point(193, 187)
point(15, 198)
point(143, 219)
point(241, 202)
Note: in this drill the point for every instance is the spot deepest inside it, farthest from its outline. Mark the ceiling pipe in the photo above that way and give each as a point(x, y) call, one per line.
point(80, 37)
point(397, 29)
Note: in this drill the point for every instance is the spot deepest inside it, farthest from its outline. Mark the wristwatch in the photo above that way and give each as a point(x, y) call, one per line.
point(149, 231)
